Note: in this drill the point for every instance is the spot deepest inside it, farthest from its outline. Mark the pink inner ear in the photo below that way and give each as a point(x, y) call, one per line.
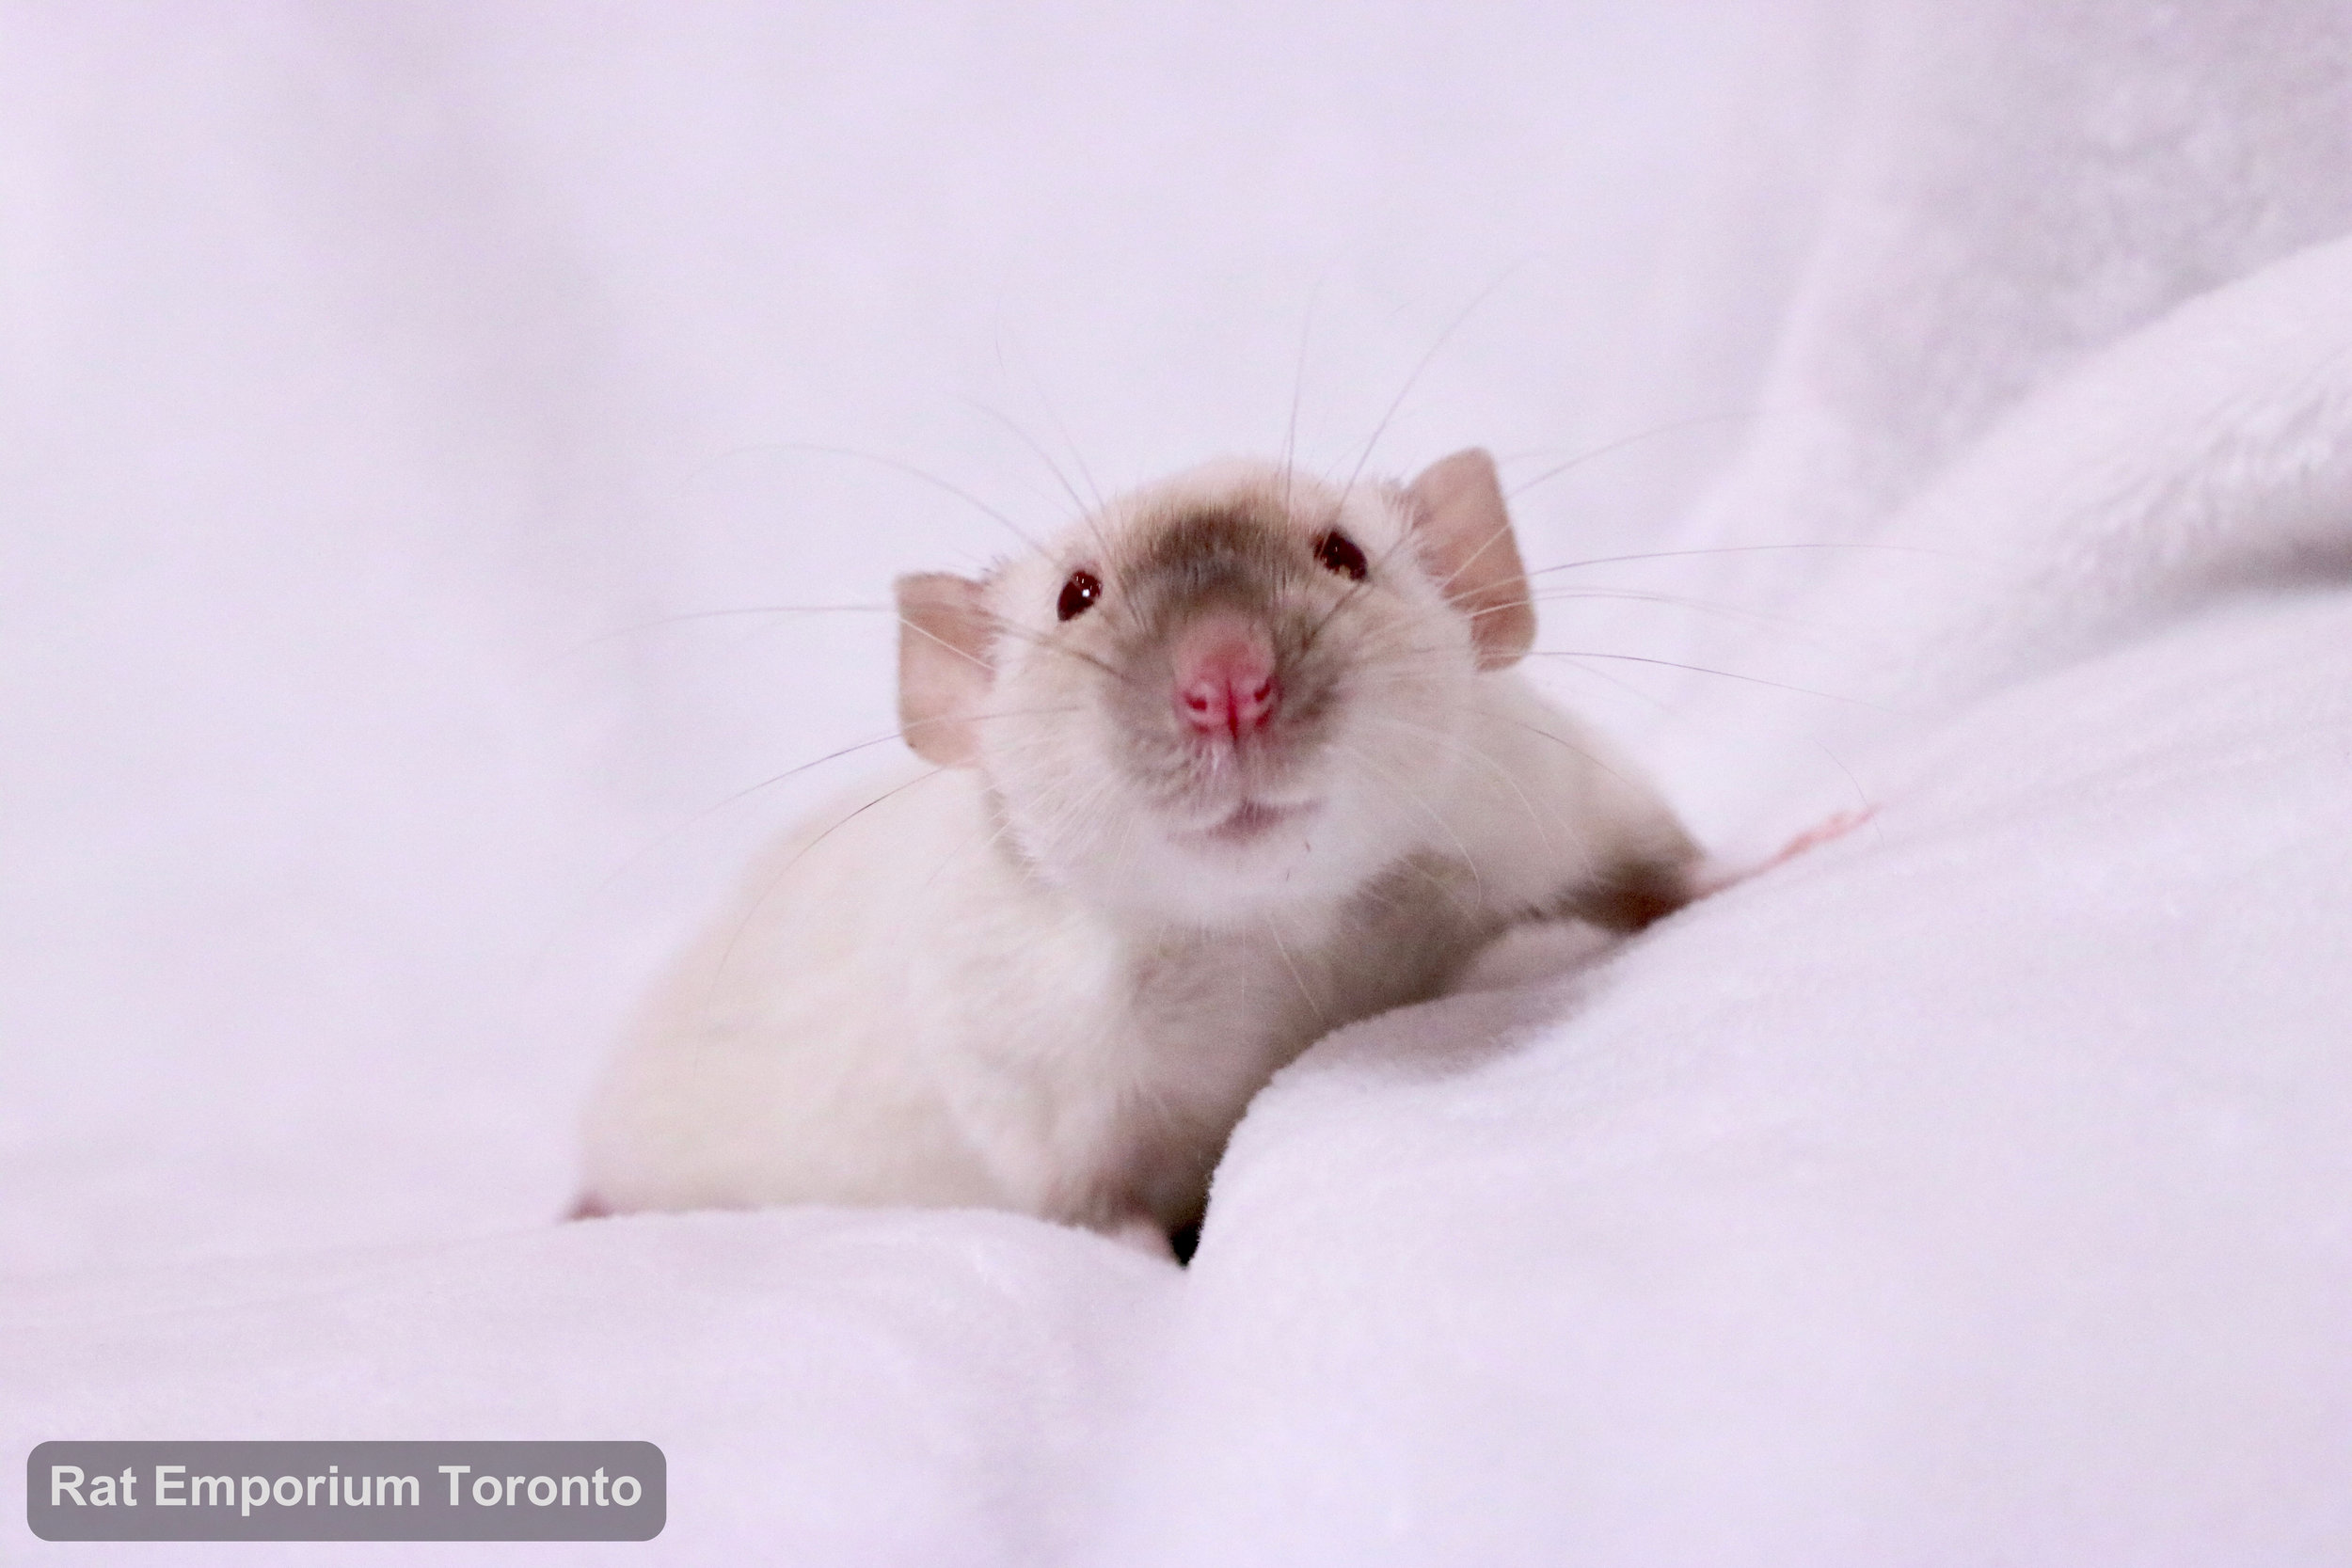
point(1464, 532)
point(943, 671)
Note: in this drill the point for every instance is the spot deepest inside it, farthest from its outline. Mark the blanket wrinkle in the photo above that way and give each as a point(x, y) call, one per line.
point(2023, 184)
point(1969, 1188)
point(2204, 456)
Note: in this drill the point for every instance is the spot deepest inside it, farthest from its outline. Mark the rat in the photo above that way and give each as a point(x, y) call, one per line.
point(1238, 758)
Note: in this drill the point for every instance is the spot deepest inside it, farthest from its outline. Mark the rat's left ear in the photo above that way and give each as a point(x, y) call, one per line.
point(1464, 534)
point(944, 674)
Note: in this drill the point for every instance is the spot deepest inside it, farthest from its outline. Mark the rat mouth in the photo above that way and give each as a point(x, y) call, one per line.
point(1250, 823)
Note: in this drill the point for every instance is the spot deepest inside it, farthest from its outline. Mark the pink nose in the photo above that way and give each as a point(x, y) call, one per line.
point(1225, 680)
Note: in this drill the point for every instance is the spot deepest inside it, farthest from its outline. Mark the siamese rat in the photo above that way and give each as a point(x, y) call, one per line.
point(1237, 759)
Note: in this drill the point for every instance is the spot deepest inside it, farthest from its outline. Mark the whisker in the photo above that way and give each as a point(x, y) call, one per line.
point(929, 636)
point(1398, 657)
point(1740, 549)
point(1475, 753)
point(1298, 388)
point(1409, 798)
point(1460, 319)
point(899, 466)
point(673, 833)
point(1727, 674)
point(1389, 644)
point(1085, 513)
point(984, 845)
point(659, 622)
point(1013, 628)
point(1014, 426)
point(1323, 1022)
point(1571, 745)
point(1584, 457)
point(1624, 686)
point(1786, 627)
point(1622, 442)
point(1547, 475)
point(1652, 595)
point(1062, 428)
point(1862, 795)
point(727, 955)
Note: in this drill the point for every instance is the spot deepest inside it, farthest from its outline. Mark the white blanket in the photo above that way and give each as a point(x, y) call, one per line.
point(1973, 1187)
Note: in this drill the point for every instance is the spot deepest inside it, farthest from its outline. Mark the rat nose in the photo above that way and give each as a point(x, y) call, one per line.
point(1225, 679)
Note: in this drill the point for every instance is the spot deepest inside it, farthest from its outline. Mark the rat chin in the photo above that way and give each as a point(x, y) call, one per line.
point(1284, 865)
point(1217, 880)
point(1251, 823)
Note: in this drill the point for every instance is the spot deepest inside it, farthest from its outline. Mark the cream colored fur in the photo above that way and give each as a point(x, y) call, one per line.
point(1017, 985)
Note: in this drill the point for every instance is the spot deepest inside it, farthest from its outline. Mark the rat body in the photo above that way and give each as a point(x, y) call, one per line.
point(1237, 760)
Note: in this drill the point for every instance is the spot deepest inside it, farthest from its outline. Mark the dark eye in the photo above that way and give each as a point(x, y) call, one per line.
point(1079, 593)
point(1339, 553)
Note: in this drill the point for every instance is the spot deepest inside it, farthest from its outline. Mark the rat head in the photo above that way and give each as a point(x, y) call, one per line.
point(1232, 690)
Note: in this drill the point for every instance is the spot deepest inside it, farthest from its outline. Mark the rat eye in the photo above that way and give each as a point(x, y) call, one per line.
point(1339, 553)
point(1079, 593)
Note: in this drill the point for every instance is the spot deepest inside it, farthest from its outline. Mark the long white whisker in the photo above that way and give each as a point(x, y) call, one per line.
point(1622, 442)
point(902, 466)
point(1460, 320)
point(1014, 629)
point(1087, 513)
point(727, 955)
point(1726, 674)
point(1461, 749)
point(1298, 389)
point(1062, 427)
point(1323, 1021)
point(659, 622)
point(1412, 798)
point(676, 830)
point(1738, 549)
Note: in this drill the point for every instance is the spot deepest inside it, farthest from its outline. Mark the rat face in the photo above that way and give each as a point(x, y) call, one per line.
point(1234, 691)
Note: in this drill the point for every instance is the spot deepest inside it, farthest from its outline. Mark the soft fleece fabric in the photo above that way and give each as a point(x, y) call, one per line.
point(1970, 1188)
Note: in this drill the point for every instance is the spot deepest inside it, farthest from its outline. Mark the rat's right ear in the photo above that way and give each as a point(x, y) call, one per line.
point(943, 666)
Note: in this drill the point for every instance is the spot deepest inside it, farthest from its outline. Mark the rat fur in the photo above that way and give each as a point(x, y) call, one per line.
point(1200, 785)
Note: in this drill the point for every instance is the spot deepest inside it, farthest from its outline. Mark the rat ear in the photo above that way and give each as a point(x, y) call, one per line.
point(943, 666)
point(1464, 534)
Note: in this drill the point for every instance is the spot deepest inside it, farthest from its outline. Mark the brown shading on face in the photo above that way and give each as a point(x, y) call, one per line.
point(1237, 689)
point(1236, 570)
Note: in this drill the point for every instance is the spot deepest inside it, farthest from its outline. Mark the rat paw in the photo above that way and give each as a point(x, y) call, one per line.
point(1837, 825)
point(1834, 825)
point(1145, 1234)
